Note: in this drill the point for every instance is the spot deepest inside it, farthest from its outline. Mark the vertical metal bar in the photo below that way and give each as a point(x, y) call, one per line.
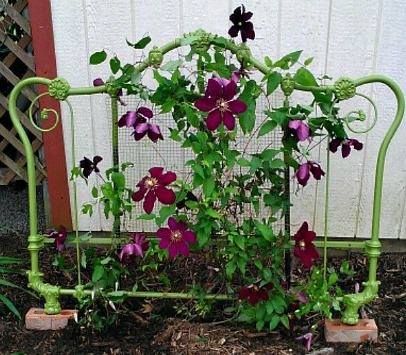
point(116, 158)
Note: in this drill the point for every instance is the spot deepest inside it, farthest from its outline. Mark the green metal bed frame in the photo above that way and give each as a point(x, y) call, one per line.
point(60, 89)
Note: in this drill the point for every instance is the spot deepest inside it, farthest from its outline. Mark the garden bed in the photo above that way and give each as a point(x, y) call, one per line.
point(166, 327)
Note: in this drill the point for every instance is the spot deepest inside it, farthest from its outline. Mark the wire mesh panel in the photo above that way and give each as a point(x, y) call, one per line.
point(170, 155)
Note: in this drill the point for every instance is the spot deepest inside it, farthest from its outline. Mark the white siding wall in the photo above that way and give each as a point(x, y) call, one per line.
point(346, 37)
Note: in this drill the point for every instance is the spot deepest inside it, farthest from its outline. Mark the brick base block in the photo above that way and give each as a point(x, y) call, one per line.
point(36, 319)
point(337, 332)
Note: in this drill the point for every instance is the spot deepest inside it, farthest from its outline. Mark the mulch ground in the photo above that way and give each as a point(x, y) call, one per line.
point(164, 327)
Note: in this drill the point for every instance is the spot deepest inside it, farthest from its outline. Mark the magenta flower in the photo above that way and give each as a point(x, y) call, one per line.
point(254, 294)
point(218, 102)
point(137, 247)
point(300, 129)
point(303, 173)
point(140, 121)
point(307, 340)
point(90, 166)
point(304, 248)
point(154, 187)
point(59, 236)
point(346, 145)
point(240, 18)
point(176, 239)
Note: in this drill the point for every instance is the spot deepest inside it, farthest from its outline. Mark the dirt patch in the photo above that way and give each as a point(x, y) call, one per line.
point(157, 328)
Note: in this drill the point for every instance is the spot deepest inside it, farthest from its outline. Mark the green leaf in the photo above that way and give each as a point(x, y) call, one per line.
point(146, 217)
point(267, 127)
point(10, 305)
point(285, 321)
point(230, 269)
point(260, 325)
point(98, 273)
point(114, 65)
point(95, 192)
point(212, 213)
point(274, 79)
point(141, 44)
point(265, 230)
point(308, 61)
point(208, 186)
point(277, 164)
point(118, 180)
point(304, 77)
point(250, 93)
point(274, 322)
point(98, 57)
point(239, 240)
point(268, 61)
point(288, 60)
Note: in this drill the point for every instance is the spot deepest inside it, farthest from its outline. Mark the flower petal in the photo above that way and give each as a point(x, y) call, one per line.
point(167, 178)
point(189, 237)
point(237, 106)
point(149, 202)
point(230, 90)
point(141, 128)
point(233, 31)
point(172, 223)
point(303, 174)
point(145, 111)
point(156, 171)
point(139, 195)
point(345, 150)
point(214, 89)
point(131, 118)
point(182, 247)
point(334, 144)
point(205, 104)
point(163, 233)
point(173, 250)
point(229, 120)
point(165, 195)
point(213, 120)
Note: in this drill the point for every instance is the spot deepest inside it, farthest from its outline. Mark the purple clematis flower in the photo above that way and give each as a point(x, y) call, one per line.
point(140, 121)
point(303, 173)
point(59, 236)
point(155, 187)
point(176, 239)
point(300, 129)
point(100, 82)
point(307, 340)
point(240, 18)
point(254, 294)
point(304, 248)
point(137, 247)
point(219, 102)
point(90, 166)
point(346, 145)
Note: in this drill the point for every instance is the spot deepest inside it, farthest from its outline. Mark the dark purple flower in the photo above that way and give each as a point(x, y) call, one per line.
point(137, 247)
point(307, 340)
point(304, 170)
point(176, 239)
point(98, 82)
point(218, 102)
point(89, 166)
point(300, 129)
point(59, 236)
point(154, 187)
point(240, 18)
point(346, 145)
point(254, 294)
point(304, 248)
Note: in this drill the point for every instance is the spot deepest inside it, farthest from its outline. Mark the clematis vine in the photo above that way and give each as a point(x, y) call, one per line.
point(100, 82)
point(154, 187)
point(219, 102)
point(300, 129)
point(59, 236)
point(304, 248)
point(137, 247)
point(254, 294)
point(304, 171)
point(241, 23)
point(176, 239)
point(89, 166)
point(140, 121)
point(346, 145)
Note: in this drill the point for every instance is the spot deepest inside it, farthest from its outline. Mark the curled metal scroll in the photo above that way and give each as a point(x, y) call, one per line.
point(44, 114)
point(349, 117)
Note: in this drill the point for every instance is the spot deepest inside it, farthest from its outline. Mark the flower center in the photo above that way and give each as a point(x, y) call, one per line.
point(240, 24)
point(176, 236)
point(302, 245)
point(151, 182)
point(222, 105)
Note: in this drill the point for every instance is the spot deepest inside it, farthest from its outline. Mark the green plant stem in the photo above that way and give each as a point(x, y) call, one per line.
point(326, 202)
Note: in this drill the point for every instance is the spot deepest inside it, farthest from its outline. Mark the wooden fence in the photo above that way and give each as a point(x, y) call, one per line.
point(16, 63)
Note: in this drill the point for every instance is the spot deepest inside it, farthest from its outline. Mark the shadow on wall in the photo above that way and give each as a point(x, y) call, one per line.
point(14, 209)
